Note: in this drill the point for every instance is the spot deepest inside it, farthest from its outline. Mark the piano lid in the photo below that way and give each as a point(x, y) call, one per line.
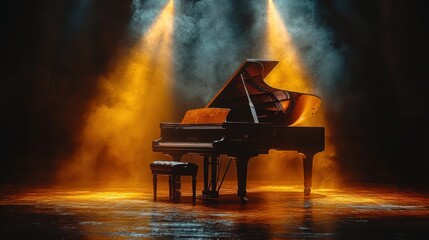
point(277, 106)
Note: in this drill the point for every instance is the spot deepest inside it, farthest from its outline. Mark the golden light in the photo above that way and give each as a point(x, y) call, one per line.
point(291, 74)
point(290, 71)
point(115, 143)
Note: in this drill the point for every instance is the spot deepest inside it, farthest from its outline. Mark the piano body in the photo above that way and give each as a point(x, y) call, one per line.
point(245, 118)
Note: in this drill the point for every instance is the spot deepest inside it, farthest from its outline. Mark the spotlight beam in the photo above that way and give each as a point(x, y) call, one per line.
point(133, 97)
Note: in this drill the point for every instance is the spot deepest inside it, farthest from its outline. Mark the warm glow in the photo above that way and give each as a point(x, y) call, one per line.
point(124, 118)
point(291, 74)
point(367, 199)
point(282, 211)
point(101, 196)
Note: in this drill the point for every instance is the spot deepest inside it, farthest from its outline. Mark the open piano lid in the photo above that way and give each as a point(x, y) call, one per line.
point(277, 106)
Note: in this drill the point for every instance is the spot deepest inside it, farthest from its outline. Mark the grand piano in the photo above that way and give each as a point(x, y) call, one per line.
point(245, 118)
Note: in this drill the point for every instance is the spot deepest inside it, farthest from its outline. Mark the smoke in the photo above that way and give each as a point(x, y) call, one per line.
point(311, 63)
point(208, 48)
point(314, 41)
point(364, 58)
point(213, 37)
point(209, 41)
point(144, 14)
point(133, 97)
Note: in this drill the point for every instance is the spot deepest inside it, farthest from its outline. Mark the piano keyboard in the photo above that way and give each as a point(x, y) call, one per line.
point(185, 144)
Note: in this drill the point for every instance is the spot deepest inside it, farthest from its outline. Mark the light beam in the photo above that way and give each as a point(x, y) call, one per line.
point(114, 145)
point(291, 74)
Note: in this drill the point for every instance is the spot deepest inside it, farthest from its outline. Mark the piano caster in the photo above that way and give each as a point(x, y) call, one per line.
point(307, 191)
point(244, 200)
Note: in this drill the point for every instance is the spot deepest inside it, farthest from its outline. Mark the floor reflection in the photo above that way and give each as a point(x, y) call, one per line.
point(273, 211)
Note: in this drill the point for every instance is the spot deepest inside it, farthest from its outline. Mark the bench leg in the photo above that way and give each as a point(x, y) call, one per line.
point(176, 186)
point(155, 182)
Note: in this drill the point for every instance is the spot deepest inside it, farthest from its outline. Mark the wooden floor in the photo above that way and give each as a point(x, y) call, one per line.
point(273, 211)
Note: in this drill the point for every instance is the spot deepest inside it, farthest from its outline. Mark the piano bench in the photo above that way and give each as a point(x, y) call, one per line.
point(173, 170)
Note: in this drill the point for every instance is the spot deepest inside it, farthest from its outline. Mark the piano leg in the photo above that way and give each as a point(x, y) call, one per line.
point(206, 173)
point(214, 162)
point(308, 171)
point(242, 162)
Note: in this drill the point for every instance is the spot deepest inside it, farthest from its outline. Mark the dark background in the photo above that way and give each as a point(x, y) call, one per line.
point(49, 72)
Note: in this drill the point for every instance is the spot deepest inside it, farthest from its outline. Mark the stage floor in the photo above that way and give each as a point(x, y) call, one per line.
point(273, 211)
